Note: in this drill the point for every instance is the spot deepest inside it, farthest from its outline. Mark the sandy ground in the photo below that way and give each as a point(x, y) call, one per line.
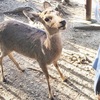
point(77, 44)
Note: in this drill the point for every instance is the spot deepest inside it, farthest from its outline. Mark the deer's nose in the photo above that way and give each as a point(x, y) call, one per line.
point(63, 22)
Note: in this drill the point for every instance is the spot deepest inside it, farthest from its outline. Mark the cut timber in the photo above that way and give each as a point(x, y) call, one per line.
point(60, 8)
point(87, 27)
point(18, 11)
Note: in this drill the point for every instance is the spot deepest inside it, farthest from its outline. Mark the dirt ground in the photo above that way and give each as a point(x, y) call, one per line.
point(79, 50)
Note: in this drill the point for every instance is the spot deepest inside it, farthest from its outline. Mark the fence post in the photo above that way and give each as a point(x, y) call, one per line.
point(88, 9)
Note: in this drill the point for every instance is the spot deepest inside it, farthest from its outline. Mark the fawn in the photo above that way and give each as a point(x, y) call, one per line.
point(44, 46)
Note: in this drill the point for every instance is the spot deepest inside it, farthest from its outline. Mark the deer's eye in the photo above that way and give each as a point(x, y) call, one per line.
point(46, 19)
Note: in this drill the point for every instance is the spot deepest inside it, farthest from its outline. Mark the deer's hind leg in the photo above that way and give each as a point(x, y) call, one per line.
point(2, 54)
point(15, 62)
point(2, 72)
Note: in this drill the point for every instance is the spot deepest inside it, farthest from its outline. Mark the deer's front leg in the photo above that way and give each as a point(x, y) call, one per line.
point(44, 69)
point(61, 75)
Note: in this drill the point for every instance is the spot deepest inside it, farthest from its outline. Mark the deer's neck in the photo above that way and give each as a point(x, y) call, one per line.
point(51, 33)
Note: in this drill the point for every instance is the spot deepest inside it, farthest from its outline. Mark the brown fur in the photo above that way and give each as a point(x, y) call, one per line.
point(30, 41)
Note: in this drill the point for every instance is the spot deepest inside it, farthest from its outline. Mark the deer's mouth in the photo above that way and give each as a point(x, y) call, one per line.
point(62, 27)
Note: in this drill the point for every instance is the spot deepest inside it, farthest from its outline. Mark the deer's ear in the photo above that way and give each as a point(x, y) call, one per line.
point(46, 4)
point(31, 15)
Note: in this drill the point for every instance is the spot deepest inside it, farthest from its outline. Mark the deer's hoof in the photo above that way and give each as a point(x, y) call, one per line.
point(4, 80)
point(65, 80)
point(23, 70)
point(51, 98)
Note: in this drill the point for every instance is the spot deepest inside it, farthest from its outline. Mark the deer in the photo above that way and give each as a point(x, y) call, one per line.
point(43, 45)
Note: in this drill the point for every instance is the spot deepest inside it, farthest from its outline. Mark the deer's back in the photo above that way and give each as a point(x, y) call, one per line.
point(20, 37)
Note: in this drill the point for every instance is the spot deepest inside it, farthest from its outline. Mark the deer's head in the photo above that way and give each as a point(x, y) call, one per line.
point(50, 18)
